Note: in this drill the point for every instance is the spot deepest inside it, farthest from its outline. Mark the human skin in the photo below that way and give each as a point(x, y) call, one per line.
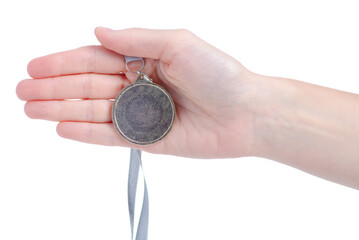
point(223, 110)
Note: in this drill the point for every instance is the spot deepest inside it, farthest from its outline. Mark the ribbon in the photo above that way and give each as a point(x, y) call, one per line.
point(135, 165)
point(142, 227)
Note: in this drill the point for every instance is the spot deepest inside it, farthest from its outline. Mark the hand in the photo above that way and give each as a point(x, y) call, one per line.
point(211, 91)
point(223, 110)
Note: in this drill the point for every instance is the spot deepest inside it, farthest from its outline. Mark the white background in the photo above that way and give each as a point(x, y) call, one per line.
point(53, 188)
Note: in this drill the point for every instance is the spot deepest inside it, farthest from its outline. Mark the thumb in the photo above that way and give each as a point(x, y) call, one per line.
point(147, 43)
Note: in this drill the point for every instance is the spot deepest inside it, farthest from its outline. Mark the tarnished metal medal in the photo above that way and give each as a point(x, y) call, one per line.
point(143, 112)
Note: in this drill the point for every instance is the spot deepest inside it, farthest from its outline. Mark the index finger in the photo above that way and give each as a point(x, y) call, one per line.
point(149, 43)
point(88, 59)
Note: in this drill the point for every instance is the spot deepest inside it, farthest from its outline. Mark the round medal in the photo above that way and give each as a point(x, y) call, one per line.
point(143, 112)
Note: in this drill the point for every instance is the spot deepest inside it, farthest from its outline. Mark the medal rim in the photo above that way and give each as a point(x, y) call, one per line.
point(116, 103)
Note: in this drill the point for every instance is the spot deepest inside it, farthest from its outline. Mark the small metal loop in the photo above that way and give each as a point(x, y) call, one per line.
point(146, 77)
point(133, 59)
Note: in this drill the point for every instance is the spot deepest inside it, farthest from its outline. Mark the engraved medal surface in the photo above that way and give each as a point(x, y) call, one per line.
point(143, 112)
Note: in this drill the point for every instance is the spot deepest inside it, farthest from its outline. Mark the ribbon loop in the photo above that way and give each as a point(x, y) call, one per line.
point(135, 68)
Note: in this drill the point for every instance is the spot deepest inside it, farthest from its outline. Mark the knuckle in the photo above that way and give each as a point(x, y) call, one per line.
point(184, 33)
point(182, 38)
point(87, 86)
point(89, 111)
point(91, 59)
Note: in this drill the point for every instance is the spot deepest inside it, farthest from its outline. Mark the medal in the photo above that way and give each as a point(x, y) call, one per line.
point(143, 112)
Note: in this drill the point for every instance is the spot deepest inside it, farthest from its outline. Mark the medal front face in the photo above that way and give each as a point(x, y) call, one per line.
point(143, 112)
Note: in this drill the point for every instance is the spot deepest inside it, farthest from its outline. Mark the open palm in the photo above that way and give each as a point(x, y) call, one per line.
point(210, 90)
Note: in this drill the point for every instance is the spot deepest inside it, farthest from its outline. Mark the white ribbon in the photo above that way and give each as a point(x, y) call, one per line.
point(135, 165)
point(142, 227)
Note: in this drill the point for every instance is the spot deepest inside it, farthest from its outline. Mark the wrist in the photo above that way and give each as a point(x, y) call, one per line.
point(273, 110)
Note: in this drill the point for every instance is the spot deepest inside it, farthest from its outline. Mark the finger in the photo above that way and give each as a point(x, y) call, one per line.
point(89, 59)
point(148, 43)
point(102, 134)
point(81, 111)
point(72, 87)
point(96, 133)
